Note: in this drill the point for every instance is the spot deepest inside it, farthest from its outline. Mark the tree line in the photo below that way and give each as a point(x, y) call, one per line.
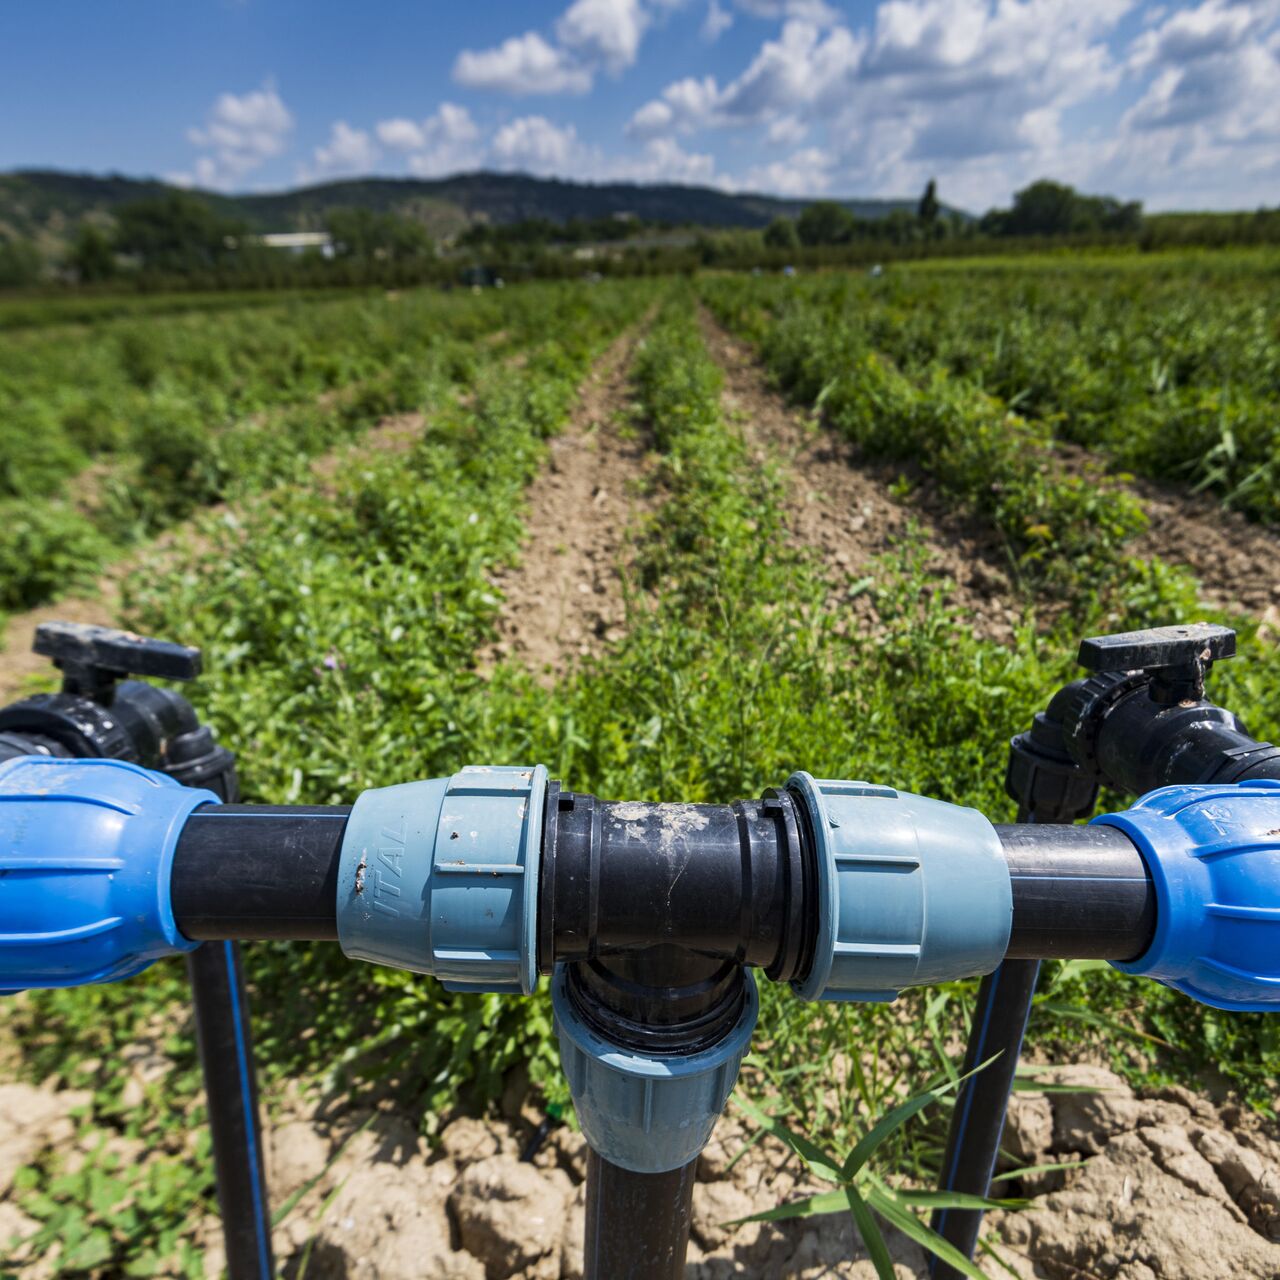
point(178, 240)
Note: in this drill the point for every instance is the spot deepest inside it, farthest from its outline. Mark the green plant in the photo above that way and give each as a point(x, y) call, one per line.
point(866, 1194)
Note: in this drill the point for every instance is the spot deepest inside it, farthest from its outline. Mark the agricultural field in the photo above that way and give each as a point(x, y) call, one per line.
point(675, 539)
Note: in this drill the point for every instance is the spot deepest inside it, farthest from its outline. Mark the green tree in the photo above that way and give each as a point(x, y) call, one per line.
point(929, 206)
point(20, 263)
point(1047, 208)
point(177, 231)
point(93, 254)
point(366, 236)
point(781, 234)
point(825, 222)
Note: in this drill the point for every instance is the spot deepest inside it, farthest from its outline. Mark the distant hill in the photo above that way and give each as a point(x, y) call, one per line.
point(47, 204)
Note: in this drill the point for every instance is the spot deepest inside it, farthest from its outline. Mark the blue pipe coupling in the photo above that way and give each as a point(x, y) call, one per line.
point(647, 1112)
point(910, 891)
point(441, 877)
point(1213, 853)
point(86, 849)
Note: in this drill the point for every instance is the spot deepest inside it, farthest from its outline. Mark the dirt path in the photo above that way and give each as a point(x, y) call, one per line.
point(22, 671)
point(564, 597)
point(846, 510)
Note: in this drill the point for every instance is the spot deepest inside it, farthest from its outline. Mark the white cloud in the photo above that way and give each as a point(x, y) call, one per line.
point(590, 36)
point(663, 160)
point(802, 69)
point(787, 131)
point(815, 11)
point(687, 104)
point(349, 151)
point(521, 65)
point(447, 141)
point(532, 144)
point(974, 91)
point(1206, 129)
point(804, 173)
point(1192, 34)
point(603, 32)
point(240, 134)
point(716, 23)
point(651, 119)
point(400, 134)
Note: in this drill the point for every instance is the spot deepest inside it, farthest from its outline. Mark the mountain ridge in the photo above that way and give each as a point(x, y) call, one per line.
point(48, 203)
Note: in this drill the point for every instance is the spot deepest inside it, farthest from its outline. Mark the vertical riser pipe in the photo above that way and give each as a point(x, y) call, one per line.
point(637, 1223)
point(231, 1091)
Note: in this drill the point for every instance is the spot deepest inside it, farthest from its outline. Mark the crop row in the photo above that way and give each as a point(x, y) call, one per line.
point(145, 420)
point(340, 622)
point(1065, 532)
point(1171, 367)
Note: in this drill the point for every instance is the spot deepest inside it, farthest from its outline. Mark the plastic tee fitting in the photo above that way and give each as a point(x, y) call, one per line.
point(647, 1112)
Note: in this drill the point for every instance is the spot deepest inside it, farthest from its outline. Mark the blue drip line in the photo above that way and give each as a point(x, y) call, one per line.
point(968, 1098)
point(250, 1116)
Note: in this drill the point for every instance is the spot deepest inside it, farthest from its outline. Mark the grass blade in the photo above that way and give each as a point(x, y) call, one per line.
point(809, 1207)
point(882, 1201)
point(825, 1166)
point(870, 1233)
point(895, 1119)
point(955, 1200)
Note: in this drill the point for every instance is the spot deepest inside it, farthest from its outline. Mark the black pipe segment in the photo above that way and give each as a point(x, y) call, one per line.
point(262, 871)
point(259, 871)
point(637, 1223)
point(660, 1000)
point(727, 881)
point(1078, 893)
point(231, 1092)
point(977, 1123)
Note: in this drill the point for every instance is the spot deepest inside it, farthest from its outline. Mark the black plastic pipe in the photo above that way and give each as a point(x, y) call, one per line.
point(259, 871)
point(973, 1141)
point(1078, 893)
point(231, 1093)
point(266, 871)
point(637, 1223)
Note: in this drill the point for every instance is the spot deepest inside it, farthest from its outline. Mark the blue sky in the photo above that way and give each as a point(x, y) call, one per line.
point(1178, 105)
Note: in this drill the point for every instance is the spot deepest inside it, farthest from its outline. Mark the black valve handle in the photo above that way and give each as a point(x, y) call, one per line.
point(1176, 658)
point(92, 658)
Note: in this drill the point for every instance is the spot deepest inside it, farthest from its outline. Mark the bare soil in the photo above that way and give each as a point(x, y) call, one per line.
point(1163, 1186)
point(849, 511)
point(564, 598)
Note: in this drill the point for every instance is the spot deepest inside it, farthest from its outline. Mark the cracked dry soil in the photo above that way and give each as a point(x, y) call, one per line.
point(1165, 1186)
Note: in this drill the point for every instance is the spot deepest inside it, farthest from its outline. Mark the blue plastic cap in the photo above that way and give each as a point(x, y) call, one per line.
point(441, 877)
point(910, 891)
point(86, 848)
point(1214, 857)
point(646, 1113)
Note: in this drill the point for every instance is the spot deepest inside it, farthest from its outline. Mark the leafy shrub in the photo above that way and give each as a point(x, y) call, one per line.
point(45, 550)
